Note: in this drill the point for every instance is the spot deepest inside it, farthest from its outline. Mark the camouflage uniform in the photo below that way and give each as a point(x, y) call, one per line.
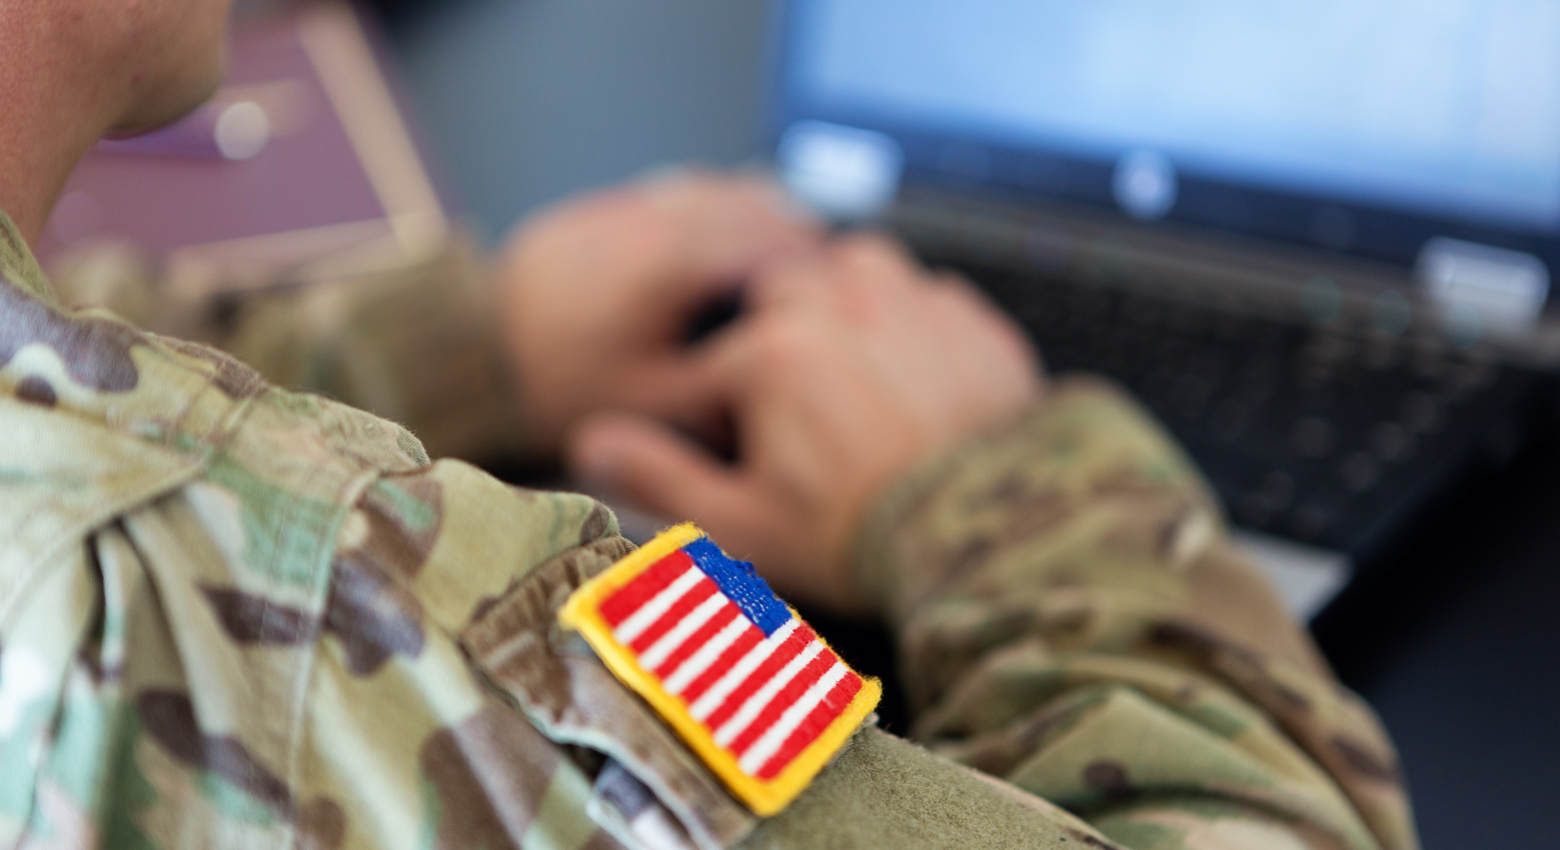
point(411, 339)
point(235, 616)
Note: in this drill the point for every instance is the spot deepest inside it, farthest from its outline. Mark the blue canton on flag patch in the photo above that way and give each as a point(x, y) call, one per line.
point(748, 685)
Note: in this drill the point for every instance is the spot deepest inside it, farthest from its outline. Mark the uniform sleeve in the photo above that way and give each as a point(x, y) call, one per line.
point(1074, 619)
point(411, 339)
point(402, 732)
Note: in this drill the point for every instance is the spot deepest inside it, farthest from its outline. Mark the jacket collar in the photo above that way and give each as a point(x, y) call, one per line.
point(18, 264)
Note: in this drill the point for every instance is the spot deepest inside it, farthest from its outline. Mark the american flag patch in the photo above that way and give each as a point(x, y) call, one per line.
point(732, 669)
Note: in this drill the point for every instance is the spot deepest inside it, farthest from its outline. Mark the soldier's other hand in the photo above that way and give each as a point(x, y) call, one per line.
point(598, 293)
point(851, 366)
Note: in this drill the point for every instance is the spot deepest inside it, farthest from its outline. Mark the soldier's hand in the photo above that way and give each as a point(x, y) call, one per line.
point(850, 367)
point(598, 294)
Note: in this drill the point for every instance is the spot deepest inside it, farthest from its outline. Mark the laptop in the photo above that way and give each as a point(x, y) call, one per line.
point(1314, 237)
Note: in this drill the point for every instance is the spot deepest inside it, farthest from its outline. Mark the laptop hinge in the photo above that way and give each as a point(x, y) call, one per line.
point(1235, 273)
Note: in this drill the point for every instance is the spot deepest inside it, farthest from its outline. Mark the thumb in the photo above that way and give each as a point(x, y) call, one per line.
point(654, 468)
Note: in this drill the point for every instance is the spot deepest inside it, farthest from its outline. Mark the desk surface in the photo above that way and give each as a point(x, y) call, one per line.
point(526, 102)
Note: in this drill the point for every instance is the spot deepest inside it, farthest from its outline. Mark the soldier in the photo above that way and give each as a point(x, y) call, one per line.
point(234, 615)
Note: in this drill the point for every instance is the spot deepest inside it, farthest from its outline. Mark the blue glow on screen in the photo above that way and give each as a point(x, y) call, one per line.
point(1446, 107)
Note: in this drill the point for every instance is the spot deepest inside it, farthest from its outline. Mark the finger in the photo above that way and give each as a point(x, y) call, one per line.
point(957, 310)
point(801, 279)
point(876, 260)
point(863, 276)
point(727, 226)
point(726, 233)
point(960, 297)
point(653, 468)
point(678, 389)
point(742, 363)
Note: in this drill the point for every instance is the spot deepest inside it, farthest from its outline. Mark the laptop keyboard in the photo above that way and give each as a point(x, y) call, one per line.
point(1329, 435)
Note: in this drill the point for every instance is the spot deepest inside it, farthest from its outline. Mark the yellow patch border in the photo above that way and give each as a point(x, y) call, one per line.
point(583, 614)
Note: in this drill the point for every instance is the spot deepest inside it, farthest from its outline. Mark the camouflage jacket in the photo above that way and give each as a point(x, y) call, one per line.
point(234, 616)
point(411, 338)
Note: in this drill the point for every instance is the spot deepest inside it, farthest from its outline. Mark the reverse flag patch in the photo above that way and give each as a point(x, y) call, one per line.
point(732, 669)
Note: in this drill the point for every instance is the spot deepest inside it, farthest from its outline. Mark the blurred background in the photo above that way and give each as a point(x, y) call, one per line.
point(353, 134)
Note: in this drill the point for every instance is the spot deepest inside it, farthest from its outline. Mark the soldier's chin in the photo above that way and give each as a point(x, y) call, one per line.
point(168, 106)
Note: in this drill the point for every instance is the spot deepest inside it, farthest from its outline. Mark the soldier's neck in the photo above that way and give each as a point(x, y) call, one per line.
point(49, 118)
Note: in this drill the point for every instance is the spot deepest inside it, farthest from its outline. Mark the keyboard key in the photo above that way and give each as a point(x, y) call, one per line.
point(1360, 472)
point(1230, 419)
point(1278, 489)
point(1391, 442)
point(1313, 437)
point(1252, 511)
point(1310, 522)
point(1422, 413)
point(1382, 355)
point(1431, 361)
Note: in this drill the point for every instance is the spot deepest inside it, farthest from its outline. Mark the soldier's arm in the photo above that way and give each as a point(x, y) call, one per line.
point(486, 359)
point(415, 339)
point(1075, 620)
point(1073, 617)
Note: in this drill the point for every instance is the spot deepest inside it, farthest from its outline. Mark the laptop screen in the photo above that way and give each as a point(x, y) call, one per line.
point(1368, 126)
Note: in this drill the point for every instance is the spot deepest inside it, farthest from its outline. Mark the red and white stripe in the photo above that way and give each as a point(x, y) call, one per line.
point(763, 699)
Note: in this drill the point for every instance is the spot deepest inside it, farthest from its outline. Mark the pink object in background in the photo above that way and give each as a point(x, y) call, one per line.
point(303, 153)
